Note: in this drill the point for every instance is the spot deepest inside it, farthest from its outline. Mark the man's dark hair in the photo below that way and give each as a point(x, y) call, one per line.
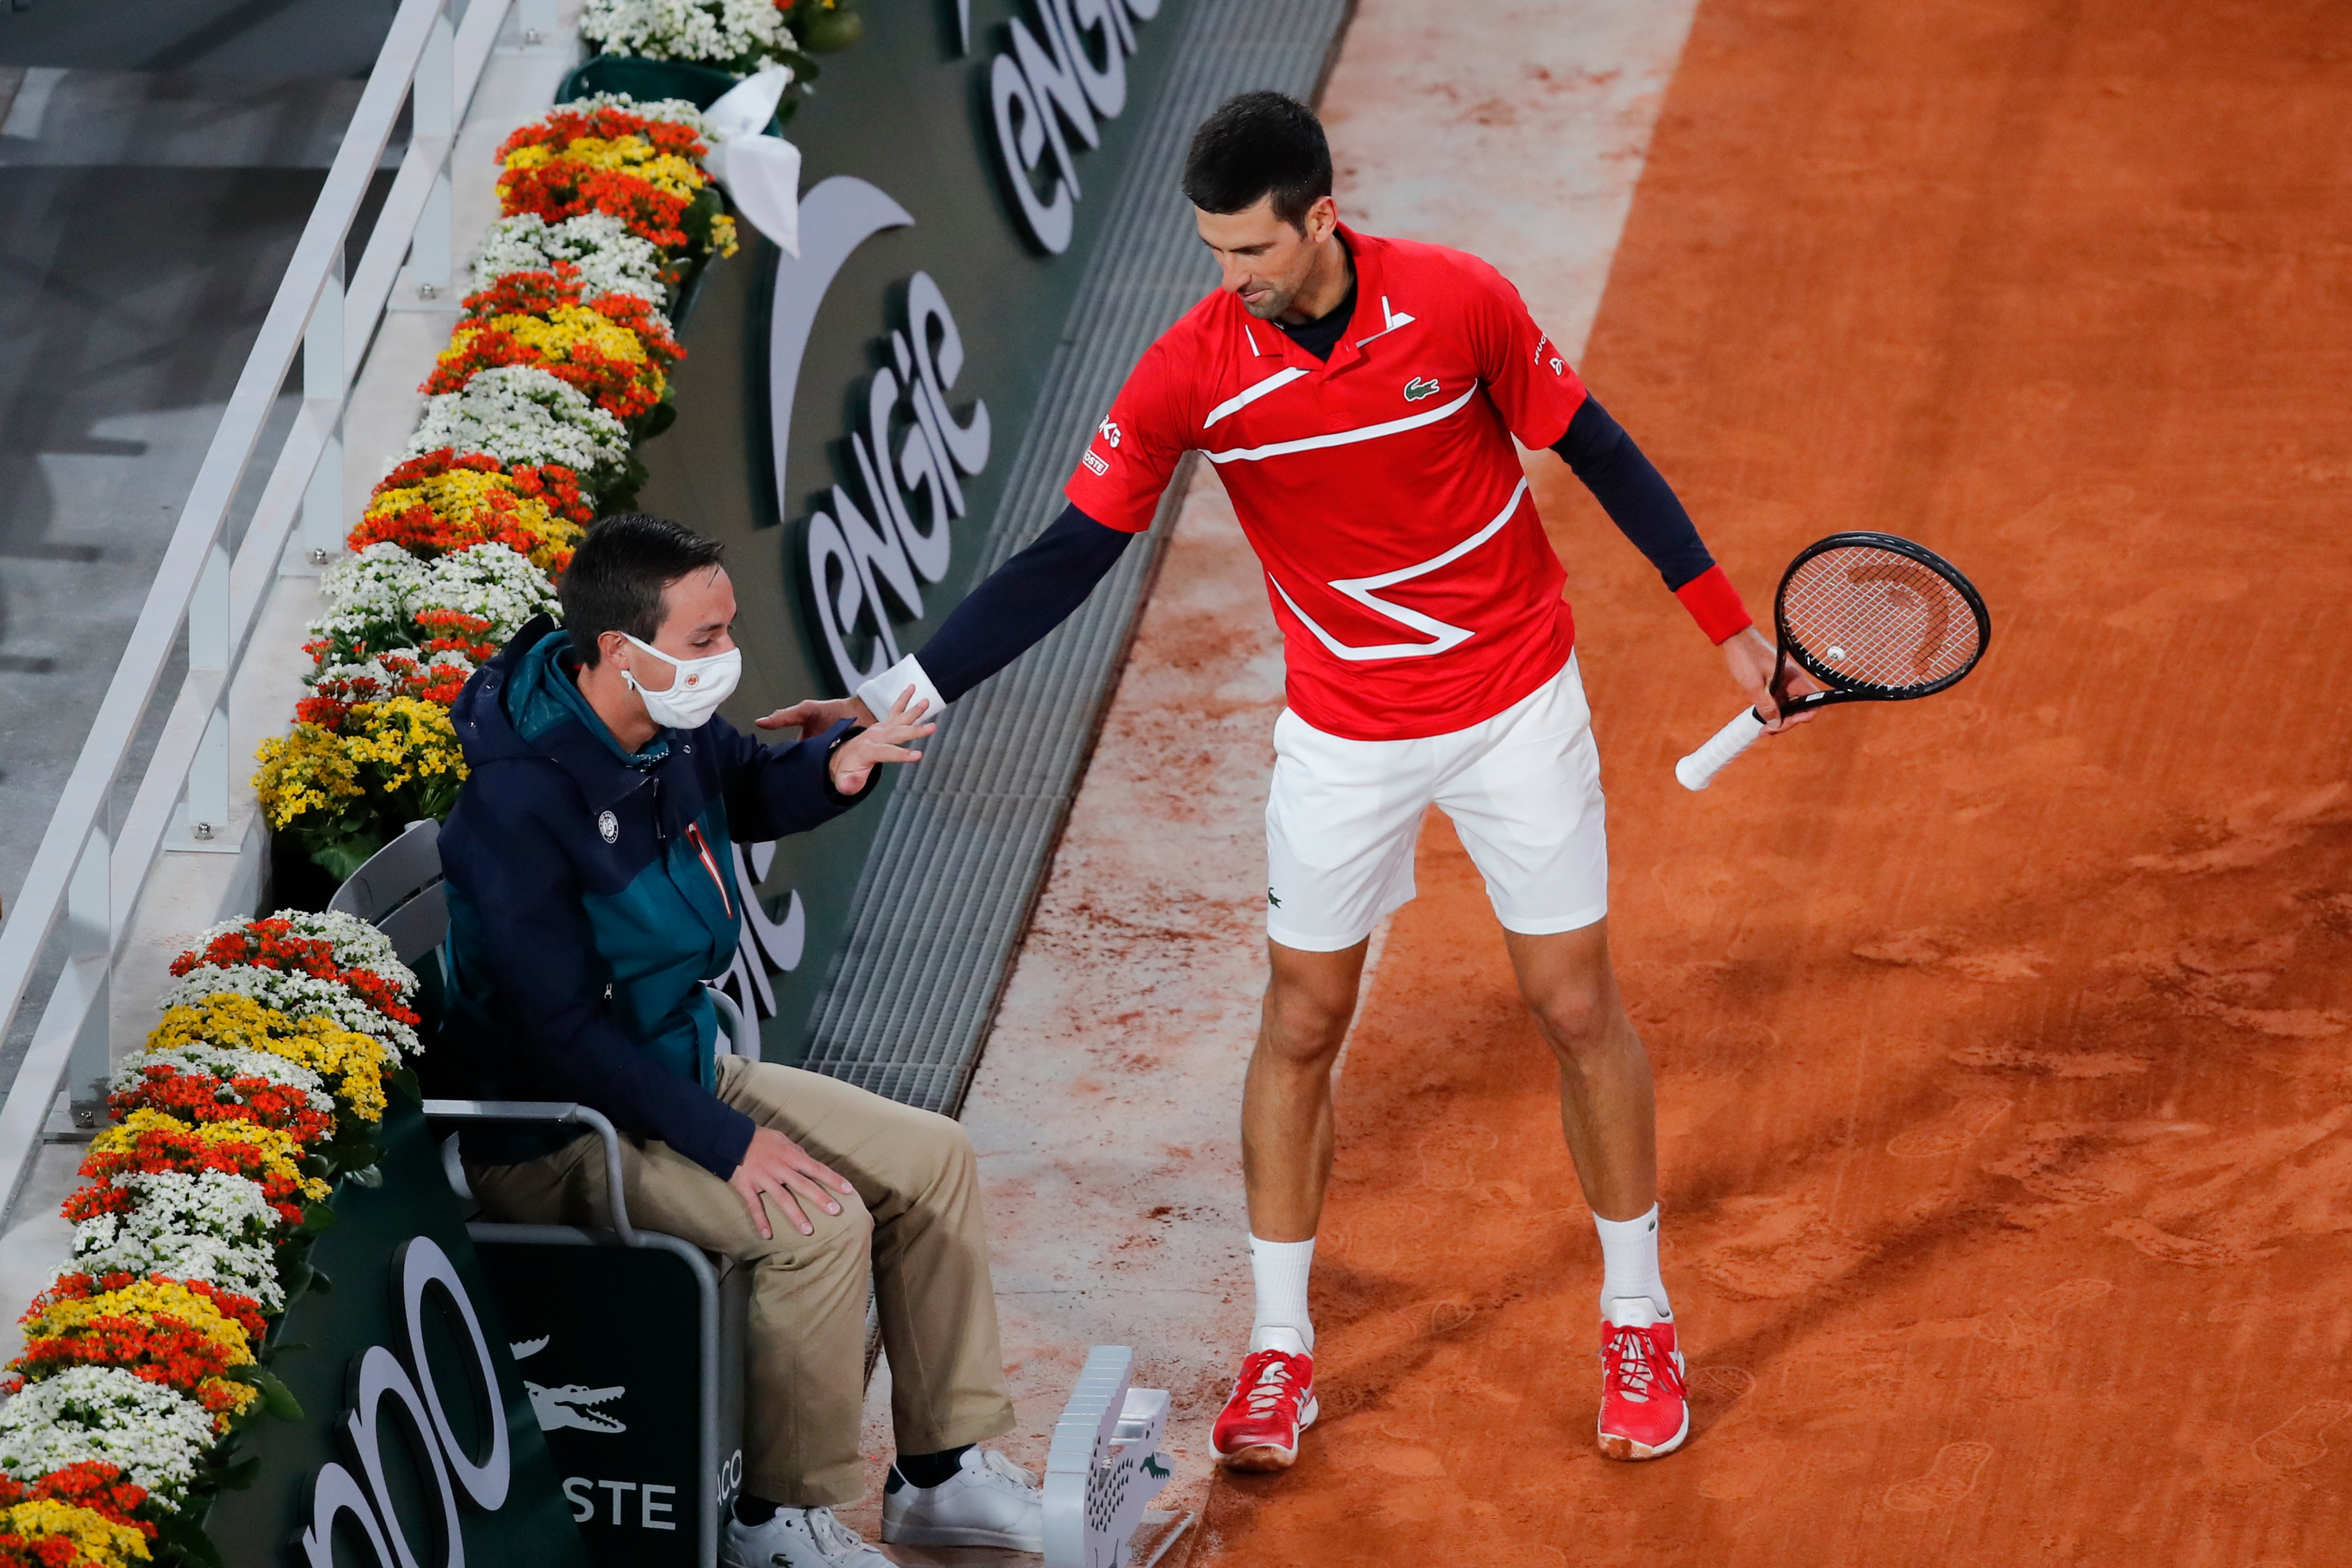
point(1259, 143)
point(615, 579)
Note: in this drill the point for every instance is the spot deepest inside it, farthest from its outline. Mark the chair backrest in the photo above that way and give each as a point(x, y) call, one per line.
point(400, 893)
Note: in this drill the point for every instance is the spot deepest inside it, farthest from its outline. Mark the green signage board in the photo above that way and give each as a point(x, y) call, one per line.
point(413, 1418)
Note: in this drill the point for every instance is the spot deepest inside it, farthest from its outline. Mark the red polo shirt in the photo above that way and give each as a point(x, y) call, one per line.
point(1404, 560)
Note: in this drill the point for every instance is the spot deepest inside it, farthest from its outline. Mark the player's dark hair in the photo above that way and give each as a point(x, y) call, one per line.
point(615, 579)
point(1259, 143)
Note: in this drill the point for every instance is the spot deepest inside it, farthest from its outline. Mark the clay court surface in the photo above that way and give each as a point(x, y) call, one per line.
point(2003, 1042)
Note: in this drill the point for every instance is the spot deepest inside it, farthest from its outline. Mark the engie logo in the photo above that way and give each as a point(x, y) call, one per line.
point(864, 562)
point(1073, 76)
point(384, 1384)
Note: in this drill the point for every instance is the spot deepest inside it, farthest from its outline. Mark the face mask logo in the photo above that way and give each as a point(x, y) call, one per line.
point(699, 687)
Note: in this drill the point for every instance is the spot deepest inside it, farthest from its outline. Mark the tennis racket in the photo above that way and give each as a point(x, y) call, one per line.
point(1873, 617)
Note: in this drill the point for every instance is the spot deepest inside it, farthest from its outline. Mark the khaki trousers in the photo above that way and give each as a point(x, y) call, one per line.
point(915, 1230)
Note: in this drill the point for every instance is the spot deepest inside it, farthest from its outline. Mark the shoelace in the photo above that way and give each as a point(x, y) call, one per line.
point(1004, 1469)
point(1272, 1386)
point(832, 1537)
point(1634, 1365)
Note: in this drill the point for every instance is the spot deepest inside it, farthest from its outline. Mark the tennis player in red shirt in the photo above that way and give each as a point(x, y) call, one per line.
point(1359, 397)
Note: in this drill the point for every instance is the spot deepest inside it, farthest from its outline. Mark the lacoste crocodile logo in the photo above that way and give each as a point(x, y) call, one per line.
point(568, 1406)
point(1419, 387)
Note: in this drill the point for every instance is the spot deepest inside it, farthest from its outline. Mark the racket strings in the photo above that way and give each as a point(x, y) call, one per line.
point(1877, 618)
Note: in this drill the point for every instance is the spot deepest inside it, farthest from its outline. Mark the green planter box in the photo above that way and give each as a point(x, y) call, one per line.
point(642, 78)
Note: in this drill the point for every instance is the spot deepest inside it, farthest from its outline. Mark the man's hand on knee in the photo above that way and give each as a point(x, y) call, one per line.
point(775, 1164)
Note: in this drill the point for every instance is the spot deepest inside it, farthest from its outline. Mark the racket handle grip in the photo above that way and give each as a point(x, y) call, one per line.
point(1698, 770)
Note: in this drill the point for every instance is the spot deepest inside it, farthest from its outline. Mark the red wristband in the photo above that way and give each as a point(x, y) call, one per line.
point(1714, 605)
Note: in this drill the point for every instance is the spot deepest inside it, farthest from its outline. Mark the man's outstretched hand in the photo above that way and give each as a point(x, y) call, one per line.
point(814, 718)
point(774, 1166)
point(857, 757)
point(1766, 679)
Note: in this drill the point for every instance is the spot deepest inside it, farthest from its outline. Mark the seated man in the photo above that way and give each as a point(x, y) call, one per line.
point(591, 890)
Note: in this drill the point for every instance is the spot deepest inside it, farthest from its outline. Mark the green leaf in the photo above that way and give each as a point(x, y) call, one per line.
point(367, 1176)
point(180, 1539)
point(276, 1398)
point(316, 1217)
point(239, 1476)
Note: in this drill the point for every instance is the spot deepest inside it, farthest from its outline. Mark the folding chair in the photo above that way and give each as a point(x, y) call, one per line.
point(646, 1427)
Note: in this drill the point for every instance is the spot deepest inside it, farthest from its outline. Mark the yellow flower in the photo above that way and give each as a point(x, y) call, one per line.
point(281, 1156)
point(304, 772)
point(142, 1301)
point(466, 504)
point(101, 1542)
point(722, 234)
point(565, 329)
point(407, 737)
point(630, 154)
point(353, 1063)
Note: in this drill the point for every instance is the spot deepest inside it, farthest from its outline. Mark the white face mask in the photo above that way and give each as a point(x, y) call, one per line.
point(695, 692)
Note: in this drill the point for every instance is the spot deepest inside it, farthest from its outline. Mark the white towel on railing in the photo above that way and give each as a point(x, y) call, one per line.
point(760, 172)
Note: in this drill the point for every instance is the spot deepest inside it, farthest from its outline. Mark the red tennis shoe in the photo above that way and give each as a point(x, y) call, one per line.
point(1644, 1393)
point(1273, 1401)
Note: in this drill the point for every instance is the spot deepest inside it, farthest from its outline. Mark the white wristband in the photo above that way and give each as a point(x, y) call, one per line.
point(885, 689)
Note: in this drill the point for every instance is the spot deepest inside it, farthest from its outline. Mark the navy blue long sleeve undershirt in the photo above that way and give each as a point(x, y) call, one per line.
point(1633, 493)
point(1038, 589)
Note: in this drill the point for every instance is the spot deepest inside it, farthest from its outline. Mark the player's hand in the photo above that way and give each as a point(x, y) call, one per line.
point(776, 1167)
point(885, 742)
point(1766, 679)
point(814, 718)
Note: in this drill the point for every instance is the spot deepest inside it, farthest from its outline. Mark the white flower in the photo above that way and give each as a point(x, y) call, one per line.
point(155, 1435)
point(349, 939)
point(367, 594)
point(712, 32)
point(356, 943)
point(521, 414)
point(375, 597)
point(672, 110)
point(226, 1062)
point(490, 581)
point(298, 996)
point(611, 259)
point(215, 1227)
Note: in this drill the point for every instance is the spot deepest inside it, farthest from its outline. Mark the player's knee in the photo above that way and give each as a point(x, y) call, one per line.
point(1302, 1028)
point(1574, 1018)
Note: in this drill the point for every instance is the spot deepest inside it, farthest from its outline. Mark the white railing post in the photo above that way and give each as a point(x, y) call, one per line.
point(208, 640)
point(326, 377)
point(90, 943)
point(432, 114)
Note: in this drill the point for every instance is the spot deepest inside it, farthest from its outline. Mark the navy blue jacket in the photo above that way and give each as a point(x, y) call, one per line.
point(591, 890)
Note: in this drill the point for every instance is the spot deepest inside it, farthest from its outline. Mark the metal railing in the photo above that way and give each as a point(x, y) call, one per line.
point(84, 875)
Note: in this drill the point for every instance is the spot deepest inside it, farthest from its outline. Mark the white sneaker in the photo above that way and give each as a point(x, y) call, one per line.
point(798, 1538)
point(989, 1501)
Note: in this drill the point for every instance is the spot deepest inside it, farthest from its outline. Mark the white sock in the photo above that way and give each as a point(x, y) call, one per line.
point(1279, 1269)
point(1629, 1256)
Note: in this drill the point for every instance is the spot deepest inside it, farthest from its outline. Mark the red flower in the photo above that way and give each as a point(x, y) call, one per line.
point(88, 1483)
point(200, 1097)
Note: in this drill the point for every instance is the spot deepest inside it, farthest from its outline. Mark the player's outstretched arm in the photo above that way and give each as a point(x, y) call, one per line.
point(1008, 614)
point(1647, 511)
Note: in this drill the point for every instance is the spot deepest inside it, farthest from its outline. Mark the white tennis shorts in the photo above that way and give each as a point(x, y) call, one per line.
point(1522, 789)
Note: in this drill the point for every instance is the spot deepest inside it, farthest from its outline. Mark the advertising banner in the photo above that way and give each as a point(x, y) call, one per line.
point(846, 416)
point(412, 1413)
